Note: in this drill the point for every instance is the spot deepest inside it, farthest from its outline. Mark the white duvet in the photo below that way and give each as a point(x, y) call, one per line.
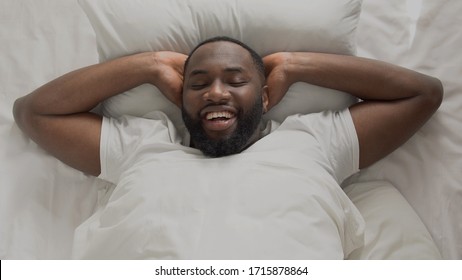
point(276, 200)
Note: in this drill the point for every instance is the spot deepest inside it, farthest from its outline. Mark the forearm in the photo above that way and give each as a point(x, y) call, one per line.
point(81, 90)
point(364, 78)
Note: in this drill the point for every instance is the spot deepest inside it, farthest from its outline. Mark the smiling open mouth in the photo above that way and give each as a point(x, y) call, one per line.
point(219, 120)
point(216, 116)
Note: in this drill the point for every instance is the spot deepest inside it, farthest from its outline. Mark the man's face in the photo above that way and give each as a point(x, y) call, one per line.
point(223, 99)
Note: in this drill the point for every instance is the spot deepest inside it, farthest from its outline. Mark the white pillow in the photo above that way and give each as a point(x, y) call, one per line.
point(124, 27)
point(393, 229)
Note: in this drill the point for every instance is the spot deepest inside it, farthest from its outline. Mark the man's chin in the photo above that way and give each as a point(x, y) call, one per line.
point(220, 135)
point(217, 148)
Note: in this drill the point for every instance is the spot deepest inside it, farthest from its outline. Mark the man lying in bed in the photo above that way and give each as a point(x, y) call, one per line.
point(247, 189)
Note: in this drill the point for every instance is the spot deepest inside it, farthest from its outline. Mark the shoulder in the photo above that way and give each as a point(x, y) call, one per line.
point(155, 125)
point(320, 121)
point(327, 137)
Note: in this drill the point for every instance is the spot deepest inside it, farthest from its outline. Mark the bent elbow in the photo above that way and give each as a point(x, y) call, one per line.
point(437, 93)
point(18, 111)
point(23, 115)
point(434, 94)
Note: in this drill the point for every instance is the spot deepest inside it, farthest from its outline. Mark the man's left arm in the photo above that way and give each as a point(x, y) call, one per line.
point(396, 101)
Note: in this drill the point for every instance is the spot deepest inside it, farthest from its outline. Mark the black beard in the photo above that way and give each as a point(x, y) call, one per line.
point(247, 124)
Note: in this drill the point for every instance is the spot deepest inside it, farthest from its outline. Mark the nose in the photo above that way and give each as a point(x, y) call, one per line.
point(217, 92)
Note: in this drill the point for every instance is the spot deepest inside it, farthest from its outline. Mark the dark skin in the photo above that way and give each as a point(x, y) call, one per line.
point(397, 101)
point(222, 79)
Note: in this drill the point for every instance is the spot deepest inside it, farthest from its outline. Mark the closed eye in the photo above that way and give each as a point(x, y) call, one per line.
point(238, 84)
point(198, 86)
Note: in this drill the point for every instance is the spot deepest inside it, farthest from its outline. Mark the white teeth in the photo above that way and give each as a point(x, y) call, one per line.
point(222, 114)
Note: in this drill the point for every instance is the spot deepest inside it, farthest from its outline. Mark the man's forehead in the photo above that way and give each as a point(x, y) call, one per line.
point(221, 52)
point(220, 48)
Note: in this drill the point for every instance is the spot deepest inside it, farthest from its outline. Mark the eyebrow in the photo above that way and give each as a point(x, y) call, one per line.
point(197, 72)
point(237, 69)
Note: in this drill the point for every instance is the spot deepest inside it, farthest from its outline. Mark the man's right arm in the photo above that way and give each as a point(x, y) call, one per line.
point(56, 116)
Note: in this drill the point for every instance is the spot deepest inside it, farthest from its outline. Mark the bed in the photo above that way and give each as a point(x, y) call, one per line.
point(410, 200)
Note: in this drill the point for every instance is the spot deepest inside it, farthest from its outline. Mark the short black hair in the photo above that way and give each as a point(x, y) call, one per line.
point(257, 59)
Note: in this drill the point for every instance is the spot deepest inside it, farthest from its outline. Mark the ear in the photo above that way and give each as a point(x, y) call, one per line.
point(264, 96)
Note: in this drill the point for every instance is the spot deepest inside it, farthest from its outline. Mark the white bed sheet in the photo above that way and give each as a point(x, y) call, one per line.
point(42, 200)
point(424, 36)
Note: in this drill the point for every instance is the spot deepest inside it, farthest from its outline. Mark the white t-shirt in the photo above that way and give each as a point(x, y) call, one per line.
point(278, 199)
